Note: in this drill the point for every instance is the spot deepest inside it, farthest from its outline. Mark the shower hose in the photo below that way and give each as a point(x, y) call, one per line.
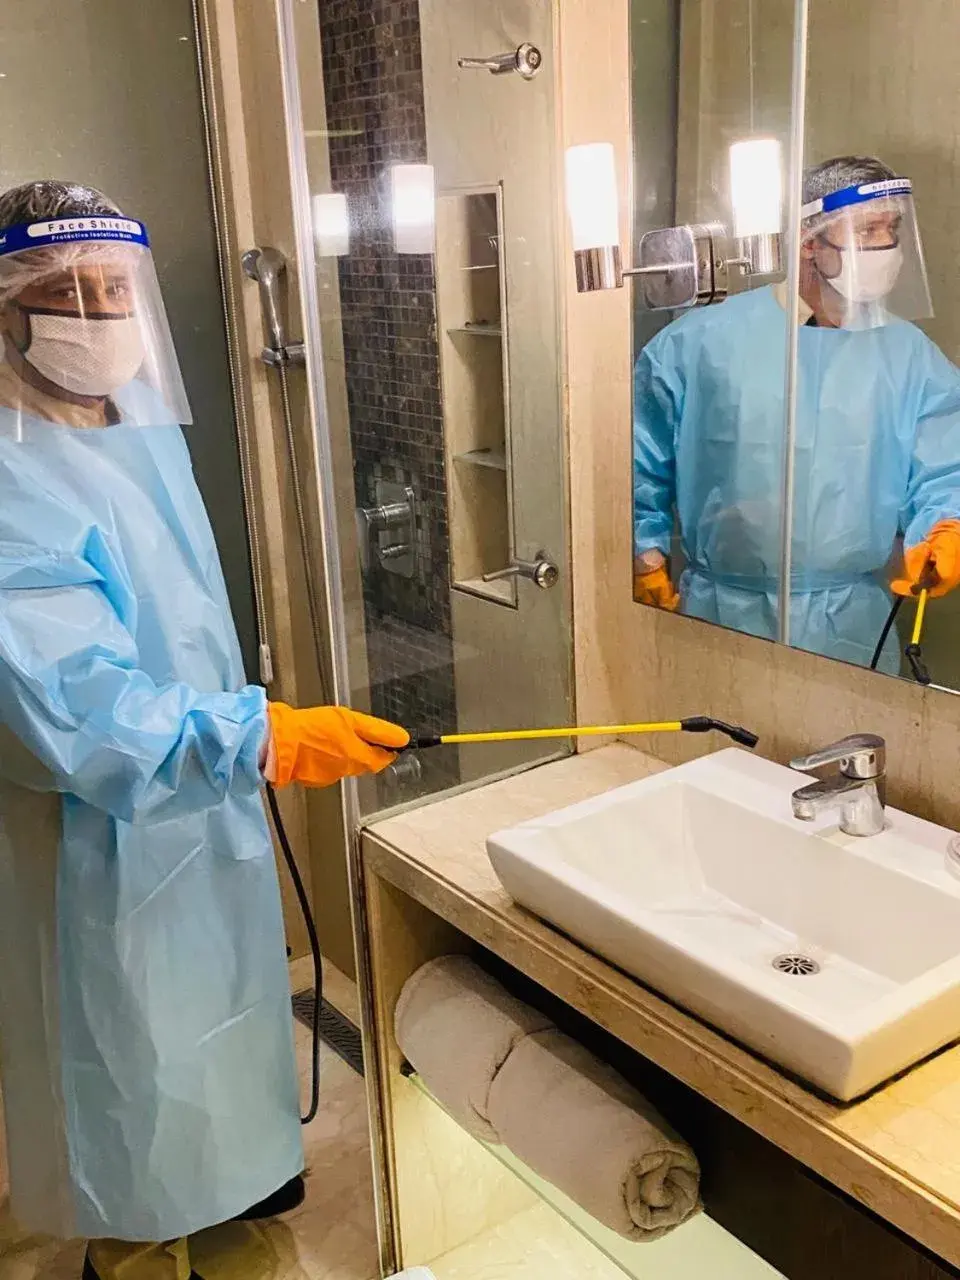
point(281, 351)
point(313, 605)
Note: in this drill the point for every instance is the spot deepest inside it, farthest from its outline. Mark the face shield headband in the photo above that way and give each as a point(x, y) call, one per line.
point(85, 315)
point(865, 244)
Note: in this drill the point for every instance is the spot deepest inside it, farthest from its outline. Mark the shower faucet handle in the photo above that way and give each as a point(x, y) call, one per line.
point(526, 60)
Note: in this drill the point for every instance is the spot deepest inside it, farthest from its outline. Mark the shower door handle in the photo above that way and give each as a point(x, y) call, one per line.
point(542, 572)
point(525, 60)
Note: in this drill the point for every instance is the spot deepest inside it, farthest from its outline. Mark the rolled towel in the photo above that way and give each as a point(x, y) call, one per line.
point(577, 1123)
point(456, 1026)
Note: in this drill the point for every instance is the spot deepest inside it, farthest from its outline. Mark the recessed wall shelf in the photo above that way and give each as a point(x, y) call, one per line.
point(483, 458)
point(471, 295)
point(501, 591)
point(478, 329)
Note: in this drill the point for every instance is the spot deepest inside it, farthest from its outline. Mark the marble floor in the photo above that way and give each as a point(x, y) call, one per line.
point(331, 1236)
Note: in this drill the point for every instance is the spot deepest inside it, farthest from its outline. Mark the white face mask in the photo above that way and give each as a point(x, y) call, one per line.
point(85, 357)
point(867, 275)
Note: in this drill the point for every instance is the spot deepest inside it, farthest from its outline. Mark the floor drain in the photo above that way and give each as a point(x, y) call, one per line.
point(335, 1030)
point(796, 965)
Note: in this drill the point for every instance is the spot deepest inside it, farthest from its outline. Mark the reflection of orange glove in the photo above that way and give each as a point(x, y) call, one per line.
point(941, 549)
point(654, 587)
point(320, 745)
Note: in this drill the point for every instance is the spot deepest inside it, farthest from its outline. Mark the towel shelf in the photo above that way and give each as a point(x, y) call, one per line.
point(699, 1248)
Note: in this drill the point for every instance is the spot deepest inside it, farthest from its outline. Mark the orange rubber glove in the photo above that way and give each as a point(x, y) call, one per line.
point(654, 587)
point(320, 745)
point(941, 549)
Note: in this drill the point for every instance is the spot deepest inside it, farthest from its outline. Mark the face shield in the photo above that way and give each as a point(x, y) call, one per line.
point(85, 335)
point(862, 245)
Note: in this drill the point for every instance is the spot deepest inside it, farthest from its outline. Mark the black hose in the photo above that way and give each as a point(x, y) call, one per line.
point(887, 628)
point(707, 724)
point(914, 656)
point(314, 949)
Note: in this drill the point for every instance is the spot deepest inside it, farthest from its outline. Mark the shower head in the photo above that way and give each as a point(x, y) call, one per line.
point(266, 266)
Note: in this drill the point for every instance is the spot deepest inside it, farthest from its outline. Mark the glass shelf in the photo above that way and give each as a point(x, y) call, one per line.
point(479, 330)
point(492, 458)
point(699, 1248)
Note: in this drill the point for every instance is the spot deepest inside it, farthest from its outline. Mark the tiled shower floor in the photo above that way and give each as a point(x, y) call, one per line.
point(330, 1237)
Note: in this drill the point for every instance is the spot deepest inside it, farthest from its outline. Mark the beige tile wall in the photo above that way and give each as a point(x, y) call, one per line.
point(631, 661)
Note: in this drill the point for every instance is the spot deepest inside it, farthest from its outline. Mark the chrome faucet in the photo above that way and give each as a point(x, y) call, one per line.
point(859, 789)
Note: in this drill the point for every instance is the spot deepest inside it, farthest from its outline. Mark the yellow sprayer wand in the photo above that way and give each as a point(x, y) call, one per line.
point(918, 621)
point(692, 724)
point(913, 652)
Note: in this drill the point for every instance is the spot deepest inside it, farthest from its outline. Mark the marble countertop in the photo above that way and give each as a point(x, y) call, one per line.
point(896, 1151)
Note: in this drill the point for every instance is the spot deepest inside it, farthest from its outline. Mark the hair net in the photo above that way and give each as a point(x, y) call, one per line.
point(838, 174)
point(40, 201)
point(35, 201)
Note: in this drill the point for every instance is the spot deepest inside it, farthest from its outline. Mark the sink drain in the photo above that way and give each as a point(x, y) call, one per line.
point(796, 965)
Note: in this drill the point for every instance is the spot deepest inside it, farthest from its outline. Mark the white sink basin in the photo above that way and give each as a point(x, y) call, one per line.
point(835, 956)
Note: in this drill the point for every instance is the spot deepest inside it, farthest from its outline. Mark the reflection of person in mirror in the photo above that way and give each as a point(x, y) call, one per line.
point(877, 434)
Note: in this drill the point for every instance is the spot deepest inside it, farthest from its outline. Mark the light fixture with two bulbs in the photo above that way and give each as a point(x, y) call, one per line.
point(680, 266)
point(412, 203)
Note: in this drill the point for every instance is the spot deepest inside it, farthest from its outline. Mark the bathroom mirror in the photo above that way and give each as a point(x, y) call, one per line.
point(880, 467)
point(711, 95)
point(867, 395)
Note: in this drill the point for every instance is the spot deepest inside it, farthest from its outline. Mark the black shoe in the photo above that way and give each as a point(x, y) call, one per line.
point(285, 1199)
point(90, 1272)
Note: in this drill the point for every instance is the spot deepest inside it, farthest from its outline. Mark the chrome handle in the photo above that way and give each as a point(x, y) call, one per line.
point(395, 552)
point(389, 515)
point(387, 531)
point(525, 60)
point(542, 572)
point(859, 755)
point(406, 770)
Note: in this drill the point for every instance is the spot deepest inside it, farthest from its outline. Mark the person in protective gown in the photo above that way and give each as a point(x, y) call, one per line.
point(877, 434)
point(146, 1043)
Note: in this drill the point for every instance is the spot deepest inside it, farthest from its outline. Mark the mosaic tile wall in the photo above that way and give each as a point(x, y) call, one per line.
point(373, 82)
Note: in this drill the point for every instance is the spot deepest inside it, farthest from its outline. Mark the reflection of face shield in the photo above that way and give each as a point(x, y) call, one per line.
point(863, 243)
point(83, 324)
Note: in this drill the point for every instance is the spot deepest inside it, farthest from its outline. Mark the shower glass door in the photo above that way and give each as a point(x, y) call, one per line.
point(428, 247)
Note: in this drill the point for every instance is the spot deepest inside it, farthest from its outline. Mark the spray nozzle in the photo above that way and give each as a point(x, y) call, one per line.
point(704, 724)
point(917, 665)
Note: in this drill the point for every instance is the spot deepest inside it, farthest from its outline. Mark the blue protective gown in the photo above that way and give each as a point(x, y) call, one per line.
point(877, 451)
point(145, 1029)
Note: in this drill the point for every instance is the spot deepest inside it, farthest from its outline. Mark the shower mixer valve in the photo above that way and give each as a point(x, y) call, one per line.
point(387, 532)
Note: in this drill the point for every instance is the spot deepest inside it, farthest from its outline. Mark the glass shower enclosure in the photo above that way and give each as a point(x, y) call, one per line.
point(428, 264)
